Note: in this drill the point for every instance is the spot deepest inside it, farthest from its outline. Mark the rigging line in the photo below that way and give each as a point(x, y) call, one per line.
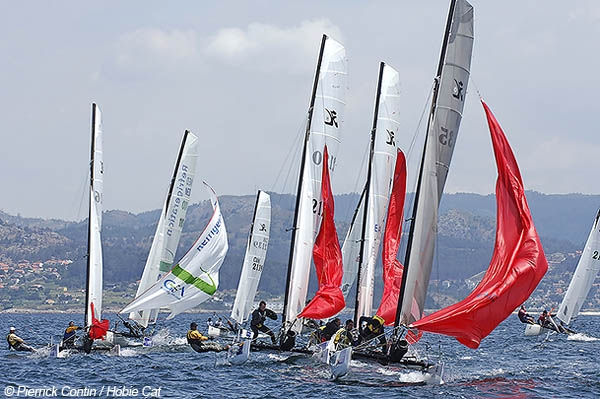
point(81, 199)
point(294, 159)
point(349, 206)
point(425, 111)
point(476, 86)
point(289, 152)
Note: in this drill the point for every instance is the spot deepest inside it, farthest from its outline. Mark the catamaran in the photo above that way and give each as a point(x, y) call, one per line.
point(195, 278)
point(324, 123)
point(166, 238)
point(579, 287)
point(97, 333)
point(252, 268)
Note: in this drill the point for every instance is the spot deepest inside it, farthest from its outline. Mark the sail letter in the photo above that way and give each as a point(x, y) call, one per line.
point(517, 266)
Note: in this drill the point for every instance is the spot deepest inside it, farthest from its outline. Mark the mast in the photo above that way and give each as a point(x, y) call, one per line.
point(367, 193)
point(174, 177)
point(429, 121)
point(301, 176)
point(87, 277)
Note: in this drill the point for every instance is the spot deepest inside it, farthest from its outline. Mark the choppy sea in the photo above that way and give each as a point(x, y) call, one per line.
point(506, 365)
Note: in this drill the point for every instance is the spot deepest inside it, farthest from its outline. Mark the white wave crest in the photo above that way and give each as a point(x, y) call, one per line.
point(582, 338)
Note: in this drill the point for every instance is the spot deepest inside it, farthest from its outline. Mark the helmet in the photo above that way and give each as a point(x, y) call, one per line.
point(379, 319)
point(12, 329)
point(193, 326)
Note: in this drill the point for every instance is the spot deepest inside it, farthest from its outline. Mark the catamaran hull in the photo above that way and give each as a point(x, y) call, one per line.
point(339, 363)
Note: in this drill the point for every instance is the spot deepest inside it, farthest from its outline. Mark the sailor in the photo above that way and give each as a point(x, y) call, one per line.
point(209, 322)
point(218, 323)
point(198, 341)
point(330, 328)
point(524, 316)
point(70, 335)
point(543, 319)
point(346, 336)
point(17, 343)
point(258, 321)
point(372, 328)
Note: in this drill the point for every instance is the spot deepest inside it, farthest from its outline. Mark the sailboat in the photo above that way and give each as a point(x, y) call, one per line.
point(167, 235)
point(579, 287)
point(252, 268)
point(97, 334)
point(195, 278)
point(321, 141)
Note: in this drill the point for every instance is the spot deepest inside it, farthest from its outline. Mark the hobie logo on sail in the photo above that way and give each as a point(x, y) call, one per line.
point(172, 287)
point(331, 119)
point(390, 140)
point(457, 91)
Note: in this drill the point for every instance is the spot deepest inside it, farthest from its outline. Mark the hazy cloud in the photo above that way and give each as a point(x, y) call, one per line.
point(270, 47)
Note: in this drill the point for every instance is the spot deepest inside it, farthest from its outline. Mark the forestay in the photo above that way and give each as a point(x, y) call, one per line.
point(254, 260)
point(584, 276)
point(94, 266)
point(195, 278)
point(351, 247)
point(168, 231)
point(379, 182)
point(325, 120)
point(444, 123)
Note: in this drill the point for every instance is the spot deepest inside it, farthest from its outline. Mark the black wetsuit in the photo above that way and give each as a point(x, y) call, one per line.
point(524, 317)
point(372, 330)
point(329, 330)
point(194, 338)
point(258, 323)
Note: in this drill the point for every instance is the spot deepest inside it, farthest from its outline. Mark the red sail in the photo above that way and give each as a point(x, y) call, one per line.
point(392, 268)
point(328, 300)
point(517, 266)
point(99, 327)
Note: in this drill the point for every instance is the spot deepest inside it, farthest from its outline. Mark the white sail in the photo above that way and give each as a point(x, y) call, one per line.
point(383, 162)
point(254, 260)
point(441, 138)
point(584, 276)
point(170, 224)
point(195, 278)
point(94, 267)
point(326, 118)
point(351, 247)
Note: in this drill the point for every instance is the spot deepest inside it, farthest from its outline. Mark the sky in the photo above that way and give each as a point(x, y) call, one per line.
point(239, 75)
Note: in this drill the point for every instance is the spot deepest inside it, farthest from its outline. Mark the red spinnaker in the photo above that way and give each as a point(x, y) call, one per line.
point(328, 300)
point(392, 268)
point(98, 328)
point(517, 266)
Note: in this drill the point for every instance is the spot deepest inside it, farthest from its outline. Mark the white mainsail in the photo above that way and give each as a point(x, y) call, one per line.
point(94, 265)
point(325, 120)
point(168, 232)
point(445, 118)
point(254, 260)
point(195, 278)
point(583, 278)
point(379, 183)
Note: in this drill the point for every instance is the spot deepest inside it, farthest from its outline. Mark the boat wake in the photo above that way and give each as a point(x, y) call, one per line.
point(581, 338)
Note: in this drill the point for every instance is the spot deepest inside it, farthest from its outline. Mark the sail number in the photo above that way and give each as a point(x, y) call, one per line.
point(317, 158)
point(256, 264)
point(317, 207)
point(595, 255)
point(446, 137)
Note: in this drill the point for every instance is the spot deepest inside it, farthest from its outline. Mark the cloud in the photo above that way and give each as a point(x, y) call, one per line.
point(148, 47)
point(268, 47)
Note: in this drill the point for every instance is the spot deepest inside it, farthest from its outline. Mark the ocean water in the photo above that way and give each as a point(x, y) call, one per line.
point(507, 364)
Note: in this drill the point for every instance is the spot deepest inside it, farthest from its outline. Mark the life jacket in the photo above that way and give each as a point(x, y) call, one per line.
point(69, 333)
point(192, 339)
point(12, 342)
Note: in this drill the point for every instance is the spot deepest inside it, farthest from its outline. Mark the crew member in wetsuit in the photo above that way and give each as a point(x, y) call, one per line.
point(543, 319)
point(17, 343)
point(69, 336)
point(524, 316)
point(198, 341)
point(346, 336)
point(330, 328)
point(371, 328)
point(258, 321)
